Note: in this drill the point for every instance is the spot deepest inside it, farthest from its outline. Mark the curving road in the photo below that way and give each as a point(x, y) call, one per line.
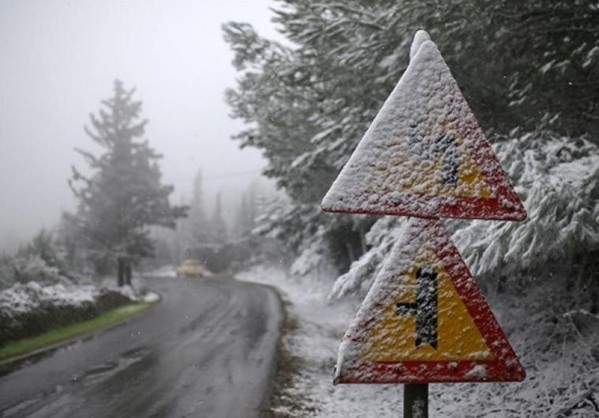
point(207, 350)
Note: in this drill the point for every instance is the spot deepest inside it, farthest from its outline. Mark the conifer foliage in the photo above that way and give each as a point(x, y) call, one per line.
point(123, 193)
point(523, 67)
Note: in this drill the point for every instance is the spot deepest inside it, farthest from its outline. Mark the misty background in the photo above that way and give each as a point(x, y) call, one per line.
point(59, 60)
point(303, 95)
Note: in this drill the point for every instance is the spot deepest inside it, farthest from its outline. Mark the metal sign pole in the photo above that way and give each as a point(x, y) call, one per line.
point(415, 401)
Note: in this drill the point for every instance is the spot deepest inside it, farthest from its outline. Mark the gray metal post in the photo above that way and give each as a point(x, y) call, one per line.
point(415, 401)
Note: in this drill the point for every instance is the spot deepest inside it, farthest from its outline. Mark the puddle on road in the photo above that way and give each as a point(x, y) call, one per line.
point(90, 376)
point(109, 368)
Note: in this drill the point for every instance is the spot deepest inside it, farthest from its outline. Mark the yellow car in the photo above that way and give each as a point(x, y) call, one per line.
point(190, 268)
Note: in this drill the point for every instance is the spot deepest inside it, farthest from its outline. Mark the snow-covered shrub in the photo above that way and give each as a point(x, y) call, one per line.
point(23, 269)
point(362, 272)
point(558, 180)
point(313, 256)
point(30, 309)
point(40, 260)
point(35, 268)
point(6, 271)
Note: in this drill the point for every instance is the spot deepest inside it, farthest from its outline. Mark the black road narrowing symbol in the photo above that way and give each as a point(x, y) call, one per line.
point(447, 147)
point(425, 307)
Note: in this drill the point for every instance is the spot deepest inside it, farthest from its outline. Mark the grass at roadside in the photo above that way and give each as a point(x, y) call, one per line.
point(30, 345)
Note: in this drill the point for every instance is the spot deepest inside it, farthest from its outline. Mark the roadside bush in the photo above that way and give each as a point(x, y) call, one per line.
point(29, 309)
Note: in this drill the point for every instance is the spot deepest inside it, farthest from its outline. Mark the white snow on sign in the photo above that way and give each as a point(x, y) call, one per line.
point(419, 38)
point(424, 154)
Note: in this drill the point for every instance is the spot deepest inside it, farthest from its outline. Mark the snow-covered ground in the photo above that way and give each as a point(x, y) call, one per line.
point(563, 374)
point(24, 298)
point(27, 309)
point(164, 271)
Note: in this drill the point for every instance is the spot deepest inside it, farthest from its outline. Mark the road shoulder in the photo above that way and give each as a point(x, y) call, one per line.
point(45, 343)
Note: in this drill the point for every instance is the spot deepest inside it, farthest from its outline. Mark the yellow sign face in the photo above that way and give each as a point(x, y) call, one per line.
point(399, 336)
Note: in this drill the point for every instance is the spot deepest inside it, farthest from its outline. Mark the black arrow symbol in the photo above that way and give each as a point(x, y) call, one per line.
point(425, 307)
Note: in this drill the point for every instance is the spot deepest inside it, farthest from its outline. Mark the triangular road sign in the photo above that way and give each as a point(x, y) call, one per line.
point(425, 155)
point(425, 320)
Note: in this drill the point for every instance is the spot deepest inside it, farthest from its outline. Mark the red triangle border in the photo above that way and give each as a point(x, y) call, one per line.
point(505, 367)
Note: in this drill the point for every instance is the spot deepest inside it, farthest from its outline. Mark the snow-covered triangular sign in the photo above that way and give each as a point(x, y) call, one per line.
point(425, 320)
point(424, 154)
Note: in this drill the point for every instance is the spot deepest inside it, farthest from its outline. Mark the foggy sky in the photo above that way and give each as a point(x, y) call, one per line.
point(58, 60)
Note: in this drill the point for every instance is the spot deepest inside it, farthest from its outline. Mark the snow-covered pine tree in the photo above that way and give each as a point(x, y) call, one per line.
point(308, 103)
point(218, 226)
point(196, 226)
point(548, 54)
point(123, 194)
point(244, 219)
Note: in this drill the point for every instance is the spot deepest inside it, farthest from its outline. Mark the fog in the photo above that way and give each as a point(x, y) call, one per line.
point(59, 60)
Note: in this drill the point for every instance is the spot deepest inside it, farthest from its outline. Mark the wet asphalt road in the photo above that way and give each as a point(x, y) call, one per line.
point(207, 350)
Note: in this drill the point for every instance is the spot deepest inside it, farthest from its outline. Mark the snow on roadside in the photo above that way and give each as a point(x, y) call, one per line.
point(151, 297)
point(164, 271)
point(29, 309)
point(24, 298)
point(321, 326)
point(562, 371)
point(137, 291)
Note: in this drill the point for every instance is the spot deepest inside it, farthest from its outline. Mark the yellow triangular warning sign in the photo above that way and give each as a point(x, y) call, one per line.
point(425, 155)
point(425, 320)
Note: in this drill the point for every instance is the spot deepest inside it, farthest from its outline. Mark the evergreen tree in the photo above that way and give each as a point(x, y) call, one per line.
point(44, 246)
point(307, 105)
point(123, 195)
point(197, 223)
point(69, 238)
point(218, 226)
point(246, 213)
